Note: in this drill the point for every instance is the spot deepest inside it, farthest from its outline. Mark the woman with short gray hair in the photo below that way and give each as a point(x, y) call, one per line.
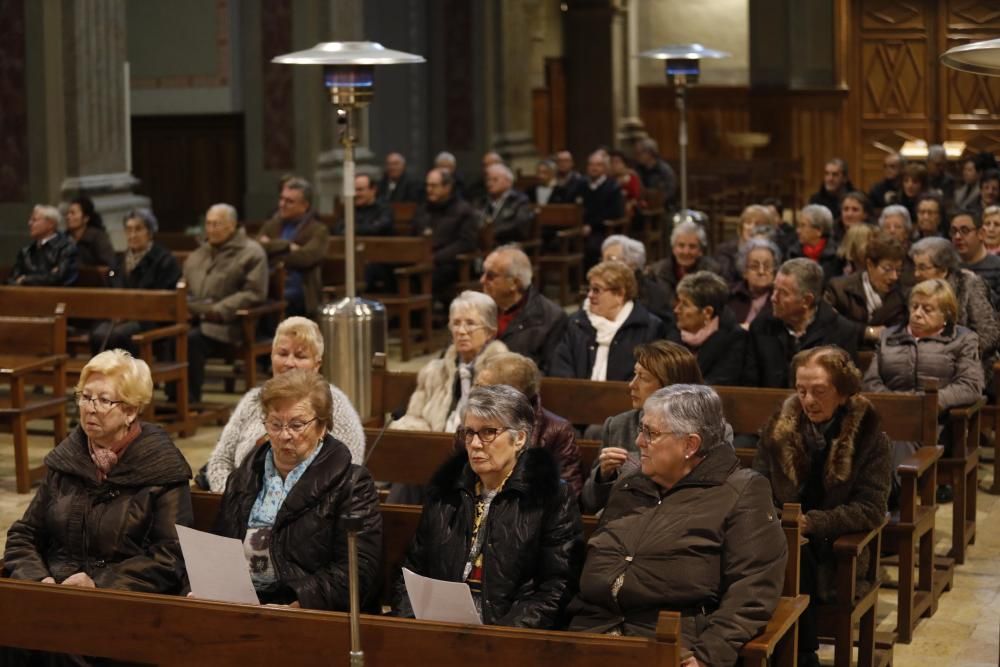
point(694, 507)
point(708, 329)
point(757, 263)
point(688, 245)
point(498, 518)
point(814, 227)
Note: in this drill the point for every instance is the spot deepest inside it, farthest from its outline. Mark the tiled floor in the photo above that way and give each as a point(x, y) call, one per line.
point(965, 630)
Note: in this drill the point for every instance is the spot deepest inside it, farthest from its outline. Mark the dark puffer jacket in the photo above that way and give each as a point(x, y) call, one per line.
point(575, 356)
point(120, 532)
point(856, 475)
point(722, 355)
point(308, 542)
point(847, 296)
point(710, 547)
point(536, 329)
point(53, 264)
point(158, 269)
point(533, 543)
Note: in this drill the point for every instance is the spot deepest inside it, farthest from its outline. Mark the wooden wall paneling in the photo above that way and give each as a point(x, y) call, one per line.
point(555, 77)
point(541, 120)
point(713, 111)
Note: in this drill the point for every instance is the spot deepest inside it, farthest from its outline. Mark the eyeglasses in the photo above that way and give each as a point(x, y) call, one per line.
point(598, 290)
point(468, 327)
point(98, 403)
point(962, 231)
point(486, 435)
point(650, 435)
point(758, 267)
point(888, 269)
point(295, 427)
point(491, 275)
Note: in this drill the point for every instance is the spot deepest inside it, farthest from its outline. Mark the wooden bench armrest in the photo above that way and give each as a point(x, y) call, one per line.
point(468, 256)
point(56, 360)
point(159, 333)
point(269, 308)
point(966, 412)
point(783, 621)
point(413, 270)
point(852, 544)
point(569, 233)
point(919, 462)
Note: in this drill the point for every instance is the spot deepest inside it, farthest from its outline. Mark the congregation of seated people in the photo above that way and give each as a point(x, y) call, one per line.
point(906, 273)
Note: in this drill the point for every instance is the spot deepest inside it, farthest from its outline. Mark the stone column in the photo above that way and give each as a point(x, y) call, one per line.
point(93, 129)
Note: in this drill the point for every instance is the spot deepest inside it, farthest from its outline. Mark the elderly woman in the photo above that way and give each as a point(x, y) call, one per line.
point(297, 345)
point(688, 244)
point(600, 337)
point(872, 297)
point(498, 519)
point(657, 365)
point(930, 216)
point(825, 450)
point(755, 221)
point(549, 431)
point(104, 516)
point(145, 265)
point(692, 531)
point(757, 262)
point(937, 258)
point(287, 500)
point(443, 385)
point(708, 329)
point(932, 345)
point(991, 229)
point(85, 227)
point(652, 292)
point(814, 227)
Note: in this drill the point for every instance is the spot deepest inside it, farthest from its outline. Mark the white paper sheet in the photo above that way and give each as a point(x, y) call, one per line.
point(216, 567)
point(436, 600)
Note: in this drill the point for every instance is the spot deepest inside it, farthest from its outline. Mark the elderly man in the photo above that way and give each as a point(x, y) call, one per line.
point(296, 237)
point(835, 186)
point(886, 191)
point(50, 258)
point(569, 183)
point(508, 210)
point(371, 216)
point(800, 320)
point(966, 231)
point(602, 201)
point(528, 322)
point(653, 170)
point(228, 272)
point(478, 194)
point(396, 185)
point(453, 226)
point(447, 161)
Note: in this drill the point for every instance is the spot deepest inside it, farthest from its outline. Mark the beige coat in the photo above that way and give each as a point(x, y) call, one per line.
point(431, 402)
point(226, 279)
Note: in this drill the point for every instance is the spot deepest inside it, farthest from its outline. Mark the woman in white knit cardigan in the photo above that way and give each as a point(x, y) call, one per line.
point(297, 344)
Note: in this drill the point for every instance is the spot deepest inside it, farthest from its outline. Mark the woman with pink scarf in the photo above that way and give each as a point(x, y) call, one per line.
point(708, 329)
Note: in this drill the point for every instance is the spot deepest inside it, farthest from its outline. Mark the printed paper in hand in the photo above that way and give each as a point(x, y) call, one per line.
point(216, 567)
point(436, 600)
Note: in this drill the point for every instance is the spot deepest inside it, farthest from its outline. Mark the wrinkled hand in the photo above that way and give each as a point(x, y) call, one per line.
point(294, 246)
point(81, 579)
point(692, 662)
point(610, 460)
point(264, 238)
point(293, 605)
point(803, 524)
point(48, 580)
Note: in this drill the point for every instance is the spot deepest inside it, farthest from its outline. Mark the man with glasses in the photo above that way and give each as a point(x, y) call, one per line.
point(966, 232)
point(528, 323)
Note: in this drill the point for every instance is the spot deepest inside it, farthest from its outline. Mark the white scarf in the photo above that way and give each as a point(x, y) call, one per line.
point(606, 330)
point(465, 373)
point(872, 300)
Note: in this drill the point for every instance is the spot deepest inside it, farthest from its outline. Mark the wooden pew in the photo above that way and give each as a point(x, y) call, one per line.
point(565, 222)
point(166, 307)
point(166, 630)
point(35, 348)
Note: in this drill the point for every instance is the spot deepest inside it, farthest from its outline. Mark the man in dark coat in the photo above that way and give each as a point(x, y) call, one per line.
point(800, 320)
point(508, 210)
point(968, 237)
point(371, 216)
point(602, 201)
point(569, 183)
point(653, 170)
point(396, 185)
point(51, 257)
point(835, 186)
point(886, 191)
point(528, 322)
point(297, 238)
point(453, 226)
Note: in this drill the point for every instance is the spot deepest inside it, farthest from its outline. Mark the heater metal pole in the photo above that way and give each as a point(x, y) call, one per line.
point(352, 523)
point(682, 139)
point(344, 118)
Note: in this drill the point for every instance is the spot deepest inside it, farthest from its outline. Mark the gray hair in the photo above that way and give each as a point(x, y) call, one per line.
point(756, 244)
point(649, 145)
point(690, 227)
point(633, 251)
point(50, 213)
point(301, 329)
point(146, 216)
point(504, 405)
point(705, 288)
point(519, 267)
point(819, 217)
point(503, 169)
point(808, 276)
point(895, 209)
point(690, 408)
point(940, 252)
point(303, 186)
point(484, 306)
point(228, 211)
point(445, 156)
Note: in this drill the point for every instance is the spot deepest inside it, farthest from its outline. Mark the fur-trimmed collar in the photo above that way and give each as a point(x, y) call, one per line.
point(783, 436)
point(535, 475)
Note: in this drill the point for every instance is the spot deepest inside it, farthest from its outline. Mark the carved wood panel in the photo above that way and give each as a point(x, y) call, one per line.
point(896, 14)
point(894, 81)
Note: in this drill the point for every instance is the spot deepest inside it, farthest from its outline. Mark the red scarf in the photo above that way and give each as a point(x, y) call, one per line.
point(105, 458)
point(814, 251)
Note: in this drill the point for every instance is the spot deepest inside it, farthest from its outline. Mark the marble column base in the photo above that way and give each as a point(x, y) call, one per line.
point(630, 130)
point(113, 198)
point(329, 178)
point(518, 149)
